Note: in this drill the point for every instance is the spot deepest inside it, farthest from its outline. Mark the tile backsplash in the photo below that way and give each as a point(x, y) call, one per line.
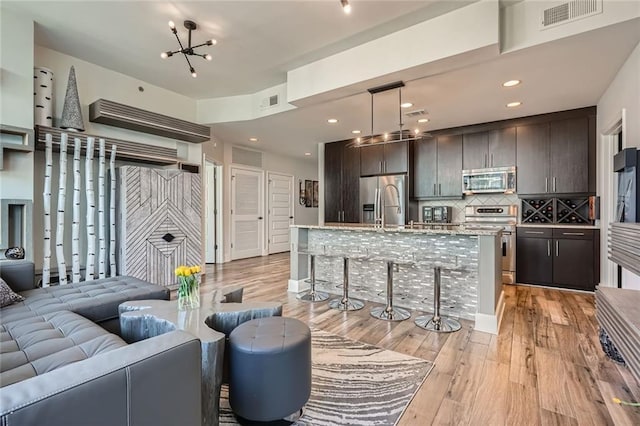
point(457, 206)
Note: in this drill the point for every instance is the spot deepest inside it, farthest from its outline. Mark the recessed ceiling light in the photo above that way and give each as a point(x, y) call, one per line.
point(356, 132)
point(406, 105)
point(513, 104)
point(511, 83)
point(423, 120)
point(332, 120)
point(253, 139)
point(386, 136)
point(358, 140)
point(416, 131)
point(307, 154)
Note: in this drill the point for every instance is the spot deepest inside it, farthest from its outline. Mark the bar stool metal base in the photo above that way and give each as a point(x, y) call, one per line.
point(343, 304)
point(390, 313)
point(441, 325)
point(313, 296)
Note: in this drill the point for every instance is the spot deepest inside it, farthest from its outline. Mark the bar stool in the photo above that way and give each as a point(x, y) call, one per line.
point(437, 322)
point(312, 295)
point(345, 303)
point(389, 313)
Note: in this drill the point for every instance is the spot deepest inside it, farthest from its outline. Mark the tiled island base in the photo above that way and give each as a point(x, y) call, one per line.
point(412, 283)
point(470, 261)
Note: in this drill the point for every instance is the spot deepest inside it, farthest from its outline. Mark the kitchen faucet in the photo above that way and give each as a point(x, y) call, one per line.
point(384, 202)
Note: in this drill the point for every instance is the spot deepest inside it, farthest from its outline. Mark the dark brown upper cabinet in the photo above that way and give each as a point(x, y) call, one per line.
point(493, 148)
point(556, 157)
point(438, 167)
point(384, 159)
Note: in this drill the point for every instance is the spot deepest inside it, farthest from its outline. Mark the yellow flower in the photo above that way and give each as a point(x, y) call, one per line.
point(178, 271)
point(616, 400)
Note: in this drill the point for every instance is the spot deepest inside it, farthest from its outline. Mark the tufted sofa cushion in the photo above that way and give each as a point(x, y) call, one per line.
point(35, 344)
point(96, 300)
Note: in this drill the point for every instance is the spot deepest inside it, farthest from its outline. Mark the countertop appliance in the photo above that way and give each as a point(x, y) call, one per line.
point(384, 196)
point(484, 181)
point(499, 216)
point(436, 214)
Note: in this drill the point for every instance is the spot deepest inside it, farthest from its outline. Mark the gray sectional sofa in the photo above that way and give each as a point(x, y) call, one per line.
point(59, 366)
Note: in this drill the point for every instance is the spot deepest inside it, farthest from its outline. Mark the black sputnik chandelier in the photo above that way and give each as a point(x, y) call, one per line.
point(189, 50)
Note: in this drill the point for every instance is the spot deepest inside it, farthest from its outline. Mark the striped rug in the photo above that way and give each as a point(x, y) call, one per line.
point(354, 383)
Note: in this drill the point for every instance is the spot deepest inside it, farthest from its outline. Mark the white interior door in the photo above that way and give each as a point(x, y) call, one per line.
point(280, 209)
point(247, 217)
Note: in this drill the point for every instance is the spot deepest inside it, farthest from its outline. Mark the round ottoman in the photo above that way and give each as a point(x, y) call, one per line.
point(269, 368)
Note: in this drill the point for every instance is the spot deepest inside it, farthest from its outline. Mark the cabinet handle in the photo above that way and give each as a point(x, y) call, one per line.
point(434, 189)
point(573, 233)
point(384, 166)
point(546, 184)
point(439, 189)
point(557, 248)
point(548, 248)
point(491, 165)
point(554, 184)
point(534, 232)
point(485, 161)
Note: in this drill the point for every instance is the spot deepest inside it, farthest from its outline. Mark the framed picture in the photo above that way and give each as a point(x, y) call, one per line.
point(315, 193)
point(308, 190)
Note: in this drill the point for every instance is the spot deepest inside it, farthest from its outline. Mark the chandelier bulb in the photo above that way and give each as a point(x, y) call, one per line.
point(164, 55)
point(193, 72)
point(172, 25)
point(346, 7)
point(212, 42)
point(208, 57)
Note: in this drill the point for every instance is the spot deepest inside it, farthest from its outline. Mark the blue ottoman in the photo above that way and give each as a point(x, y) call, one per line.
point(269, 368)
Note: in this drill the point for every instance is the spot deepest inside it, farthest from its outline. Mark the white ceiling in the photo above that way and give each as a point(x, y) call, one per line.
point(260, 40)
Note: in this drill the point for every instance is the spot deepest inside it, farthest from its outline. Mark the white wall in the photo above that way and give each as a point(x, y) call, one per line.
point(16, 100)
point(622, 94)
point(16, 66)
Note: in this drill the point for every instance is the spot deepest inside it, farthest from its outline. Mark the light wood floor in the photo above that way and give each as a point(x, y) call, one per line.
point(545, 368)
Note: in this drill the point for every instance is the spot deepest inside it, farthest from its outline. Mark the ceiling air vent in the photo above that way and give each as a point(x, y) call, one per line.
point(269, 102)
point(416, 113)
point(569, 12)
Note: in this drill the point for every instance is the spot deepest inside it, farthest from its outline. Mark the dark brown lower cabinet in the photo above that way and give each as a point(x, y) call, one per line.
point(558, 257)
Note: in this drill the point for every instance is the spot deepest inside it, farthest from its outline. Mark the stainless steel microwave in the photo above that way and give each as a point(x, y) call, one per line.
point(494, 180)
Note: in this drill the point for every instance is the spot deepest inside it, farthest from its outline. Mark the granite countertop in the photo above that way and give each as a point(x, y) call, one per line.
point(455, 229)
point(542, 225)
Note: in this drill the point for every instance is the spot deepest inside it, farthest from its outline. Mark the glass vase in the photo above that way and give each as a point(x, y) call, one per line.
point(188, 293)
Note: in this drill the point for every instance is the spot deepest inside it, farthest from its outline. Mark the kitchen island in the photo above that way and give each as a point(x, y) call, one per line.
point(470, 261)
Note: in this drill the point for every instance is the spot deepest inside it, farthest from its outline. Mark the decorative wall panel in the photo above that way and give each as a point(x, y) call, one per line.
point(159, 223)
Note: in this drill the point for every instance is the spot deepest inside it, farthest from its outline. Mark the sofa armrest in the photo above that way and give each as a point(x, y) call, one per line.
point(152, 382)
point(19, 274)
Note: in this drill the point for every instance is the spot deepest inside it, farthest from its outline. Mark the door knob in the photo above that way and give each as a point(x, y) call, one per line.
point(290, 217)
point(259, 217)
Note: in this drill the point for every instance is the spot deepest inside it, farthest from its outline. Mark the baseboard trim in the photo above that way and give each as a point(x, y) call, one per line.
point(491, 323)
point(296, 286)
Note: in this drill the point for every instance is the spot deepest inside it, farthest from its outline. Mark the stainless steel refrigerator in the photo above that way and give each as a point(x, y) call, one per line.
point(386, 194)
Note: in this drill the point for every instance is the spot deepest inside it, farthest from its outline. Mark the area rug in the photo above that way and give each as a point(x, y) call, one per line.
point(354, 383)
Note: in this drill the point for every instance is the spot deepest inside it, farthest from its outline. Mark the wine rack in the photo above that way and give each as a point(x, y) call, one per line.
point(538, 211)
point(561, 210)
point(573, 210)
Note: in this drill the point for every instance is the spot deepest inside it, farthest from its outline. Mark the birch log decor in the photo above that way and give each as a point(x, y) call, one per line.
point(91, 208)
point(46, 195)
point(75, 225)
point(102, 251)
point(112, 213)
point(62, 189)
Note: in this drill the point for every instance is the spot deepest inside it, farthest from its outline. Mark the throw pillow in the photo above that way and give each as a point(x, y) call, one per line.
point(8, 296)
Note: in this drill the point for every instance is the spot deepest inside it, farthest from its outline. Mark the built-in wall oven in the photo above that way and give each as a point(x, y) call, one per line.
point(502, 216)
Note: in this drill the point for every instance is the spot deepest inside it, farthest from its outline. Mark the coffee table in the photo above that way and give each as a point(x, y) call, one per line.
point(220, 312)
